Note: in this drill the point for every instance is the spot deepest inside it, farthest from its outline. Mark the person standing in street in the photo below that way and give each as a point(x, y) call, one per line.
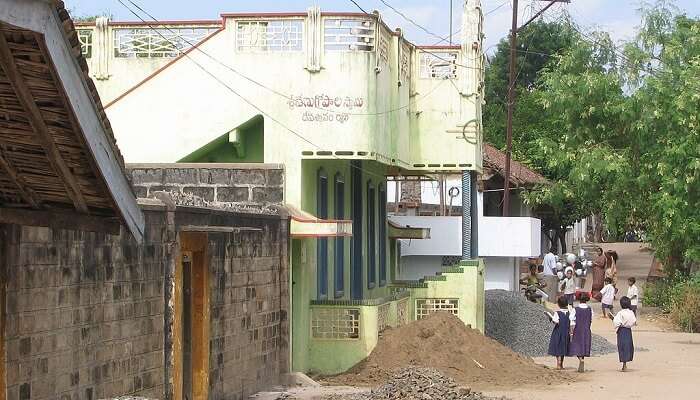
point(581, 318)
point(599, 265)
point(550, 263)
point(633, 294)
point(623, 322)
point(559, 341)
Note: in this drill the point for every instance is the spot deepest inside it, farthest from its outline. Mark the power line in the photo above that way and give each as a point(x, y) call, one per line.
point(407, 18)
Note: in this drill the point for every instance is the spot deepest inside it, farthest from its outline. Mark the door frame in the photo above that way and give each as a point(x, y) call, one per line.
point(194, 244)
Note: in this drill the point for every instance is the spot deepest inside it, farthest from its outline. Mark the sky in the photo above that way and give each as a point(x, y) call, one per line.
point(619, 17)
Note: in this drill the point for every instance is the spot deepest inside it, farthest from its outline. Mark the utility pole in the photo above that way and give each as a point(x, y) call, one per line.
point(511, 94)
point(450, 22)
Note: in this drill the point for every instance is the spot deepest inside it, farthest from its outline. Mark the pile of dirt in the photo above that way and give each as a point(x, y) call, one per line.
point(442, 341)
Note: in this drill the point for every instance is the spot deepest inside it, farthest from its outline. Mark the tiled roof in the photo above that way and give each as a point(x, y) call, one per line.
point(520, 174)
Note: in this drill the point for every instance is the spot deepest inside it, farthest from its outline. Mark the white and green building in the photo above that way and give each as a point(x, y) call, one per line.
point(343, 102)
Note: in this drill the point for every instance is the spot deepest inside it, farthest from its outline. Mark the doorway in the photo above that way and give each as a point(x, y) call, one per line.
point(191, 322)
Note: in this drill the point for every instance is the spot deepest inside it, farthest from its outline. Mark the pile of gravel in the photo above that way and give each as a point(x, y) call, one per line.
point(416, 383)
point(521, 325)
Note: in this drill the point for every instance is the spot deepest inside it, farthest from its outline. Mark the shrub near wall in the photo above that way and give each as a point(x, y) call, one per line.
point(680, 297)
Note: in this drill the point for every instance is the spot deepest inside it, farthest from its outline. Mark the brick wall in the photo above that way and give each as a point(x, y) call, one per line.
point(222, 184)
point(249, 300)
point(87, 318)
point(84, 313)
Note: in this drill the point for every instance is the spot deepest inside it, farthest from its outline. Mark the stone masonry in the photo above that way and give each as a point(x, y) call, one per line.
point(219, 184)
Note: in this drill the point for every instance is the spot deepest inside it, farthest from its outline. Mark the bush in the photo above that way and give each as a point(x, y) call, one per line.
point(679, 296)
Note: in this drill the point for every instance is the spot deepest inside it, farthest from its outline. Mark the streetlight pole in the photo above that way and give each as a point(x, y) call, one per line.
point(511, 95)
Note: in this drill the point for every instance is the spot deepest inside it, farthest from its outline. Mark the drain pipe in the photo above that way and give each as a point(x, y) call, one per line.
point(466, 215)
point(469, 216)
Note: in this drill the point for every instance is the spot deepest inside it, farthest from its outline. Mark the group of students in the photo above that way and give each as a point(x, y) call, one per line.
point(571, 336)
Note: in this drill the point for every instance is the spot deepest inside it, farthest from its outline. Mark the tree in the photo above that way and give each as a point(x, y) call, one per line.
point(627, 137)
point(537, 44)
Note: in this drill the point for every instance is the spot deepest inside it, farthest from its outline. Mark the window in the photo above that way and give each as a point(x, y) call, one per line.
point(381, 201)
point(339, 250)
point(356, 284)
point(438, 65)
point(348, 34)
point(322, 243)
point(272, 35)
point(154, 43)
point(85, 39)
point(371, 236)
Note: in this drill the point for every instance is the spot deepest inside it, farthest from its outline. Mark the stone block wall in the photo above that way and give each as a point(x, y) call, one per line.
point(84, 313)
point(218, 184)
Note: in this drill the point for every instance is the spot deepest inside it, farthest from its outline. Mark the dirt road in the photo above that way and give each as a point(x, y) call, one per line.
point(670, 368)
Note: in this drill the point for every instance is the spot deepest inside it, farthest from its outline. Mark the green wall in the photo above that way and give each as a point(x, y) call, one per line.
point(304, 260)
point(250, 148)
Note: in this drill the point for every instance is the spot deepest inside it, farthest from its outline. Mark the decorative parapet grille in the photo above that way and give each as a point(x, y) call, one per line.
point(438, 65)
point(425, 307)
point(270, 35)
point(335, 323)
point(402, 312)
point(383, 49)
point(85, 39)
point(155, 43)
point(383, 316)
point(348, 34)
point(405, 62)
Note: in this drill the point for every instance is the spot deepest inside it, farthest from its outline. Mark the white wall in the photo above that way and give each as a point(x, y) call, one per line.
point(501, 273)
point(417, 267)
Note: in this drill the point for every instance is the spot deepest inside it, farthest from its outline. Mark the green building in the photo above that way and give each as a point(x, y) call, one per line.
point(343, 102)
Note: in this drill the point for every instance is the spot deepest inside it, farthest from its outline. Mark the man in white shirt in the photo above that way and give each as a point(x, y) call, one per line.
point(550, 263)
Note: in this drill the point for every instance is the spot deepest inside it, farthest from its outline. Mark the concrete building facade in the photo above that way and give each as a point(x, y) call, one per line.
point(341, 101)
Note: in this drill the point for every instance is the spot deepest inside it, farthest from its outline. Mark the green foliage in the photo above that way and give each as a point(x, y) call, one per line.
point(617, 134)
point(679, 296)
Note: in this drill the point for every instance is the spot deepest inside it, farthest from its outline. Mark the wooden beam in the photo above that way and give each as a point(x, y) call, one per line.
point(24, 95)
point(25, 191)
point(60, 220)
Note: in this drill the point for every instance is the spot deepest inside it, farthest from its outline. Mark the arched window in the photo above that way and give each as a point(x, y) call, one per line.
point(371, 235)
point(339, 250)
point(322, 243)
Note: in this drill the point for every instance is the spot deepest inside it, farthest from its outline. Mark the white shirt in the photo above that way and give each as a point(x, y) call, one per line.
point(625, 318)
point(550, 264)
point(608, 293)
point(572, 313)
point(555, 315)
point(633, 294)
point(569, 285)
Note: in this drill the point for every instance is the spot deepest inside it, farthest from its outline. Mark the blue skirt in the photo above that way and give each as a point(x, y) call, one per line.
point(559, 342)
point(625, 345)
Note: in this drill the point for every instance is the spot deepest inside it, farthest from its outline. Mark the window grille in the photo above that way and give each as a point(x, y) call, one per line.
point(383, 316)
point(438, 66)
point(402, 312)
point(155, 43)
point(425, 307)
point(271, 35)
point(348, 34)
point(85, 39)
point(335, 323)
